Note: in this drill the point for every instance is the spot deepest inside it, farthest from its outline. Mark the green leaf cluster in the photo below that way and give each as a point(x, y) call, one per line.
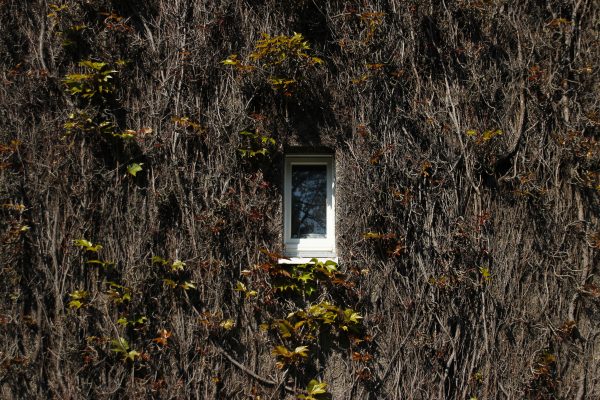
point(282, 58)
point(315, 390)
point(485, 136)
point(257, 144)
point(119, 294)
point(87, 245)
point(81, 121)
point(134, 322)
point(97, 81)
point(275, 50)
point(172, 273)
point(121, 346)
point(304, 278)
point(78, 298)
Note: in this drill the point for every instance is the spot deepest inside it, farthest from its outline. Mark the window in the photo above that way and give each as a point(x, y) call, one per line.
point(309, 206)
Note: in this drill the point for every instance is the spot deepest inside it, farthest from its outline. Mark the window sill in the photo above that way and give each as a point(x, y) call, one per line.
point(304, 260)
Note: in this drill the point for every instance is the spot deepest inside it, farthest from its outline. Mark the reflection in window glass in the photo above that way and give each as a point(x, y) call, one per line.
point(309, 201)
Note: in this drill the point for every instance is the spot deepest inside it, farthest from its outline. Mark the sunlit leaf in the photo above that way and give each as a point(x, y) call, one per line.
point(227, 324)
point(87, 245)
point(159, 260)
point(187, 285)
point(120, 345)
point(132, 355)
point(285, 328)
point(315, 387)
point(75, 304)
point(353, 316)
point(282, 351)
point(133, 169)
point(178, 265)
point(485, 272)
point(231, 60)
point(78, 294)
point(301, 351)
point(170, 283)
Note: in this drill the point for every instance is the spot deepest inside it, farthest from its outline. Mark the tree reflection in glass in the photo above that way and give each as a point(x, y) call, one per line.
point(309, 201)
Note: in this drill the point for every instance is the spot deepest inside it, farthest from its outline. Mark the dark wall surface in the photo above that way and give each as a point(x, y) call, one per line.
point(466, 138)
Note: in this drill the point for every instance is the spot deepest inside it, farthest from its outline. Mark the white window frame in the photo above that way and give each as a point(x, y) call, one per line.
point(302, 250)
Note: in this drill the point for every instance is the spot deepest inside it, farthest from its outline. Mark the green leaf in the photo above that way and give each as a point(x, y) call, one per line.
point(310, 289)
point(240, 287)
point(315, 387)
point(115, 285)
point(127, 134)
point(159, 260)
point(231, 60)
point(120, 345)
point(305, 277)
point(285, 328)
point(187, 285)
point(103, 264)
point(87, 245)
point(302, 351)
point(75, 304)
point(133, 169)
point(227, 324)
point(132, 355)
point(77, 298)
point(170, 283)
point(282, 351)
point(485, 272)
point(78, 294)
point(178, 265)
point(371, 235)
point(82, 243)
point(93, 65)
point(352, 316)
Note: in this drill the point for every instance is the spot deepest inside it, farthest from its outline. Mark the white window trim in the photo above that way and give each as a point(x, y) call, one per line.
point(305, 260)
point(303, 250)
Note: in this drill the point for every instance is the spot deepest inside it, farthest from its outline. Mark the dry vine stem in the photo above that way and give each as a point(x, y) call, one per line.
point(468, 177)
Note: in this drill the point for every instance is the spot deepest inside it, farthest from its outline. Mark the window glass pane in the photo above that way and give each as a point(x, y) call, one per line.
point(309, 201)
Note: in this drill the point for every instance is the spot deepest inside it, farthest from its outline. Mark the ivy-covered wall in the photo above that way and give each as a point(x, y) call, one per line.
point(141, 155)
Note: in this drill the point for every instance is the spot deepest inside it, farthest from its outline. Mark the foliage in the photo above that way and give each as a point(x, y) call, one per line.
point(87, 245)
point(173, 275)
point(467, 198)
point(482, 137)
point(315, 390)
point(285, 59)
point(133, 169)
point(319, 326)
point(258, 144)
point(121, 347)
point(81, 121)
point(77, 299)
point(96, 83)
